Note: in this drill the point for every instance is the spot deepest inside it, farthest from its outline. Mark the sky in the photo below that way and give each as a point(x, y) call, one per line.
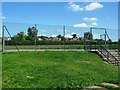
point(78, 17)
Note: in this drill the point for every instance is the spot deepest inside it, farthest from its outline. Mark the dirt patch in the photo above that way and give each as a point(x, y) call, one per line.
point(83, 61)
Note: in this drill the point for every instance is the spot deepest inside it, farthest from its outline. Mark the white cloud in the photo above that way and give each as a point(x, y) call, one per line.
point(83, 25)
point(73, 33)
point(93, 6)
point(54, 35)
point(90, 19)
point(68, 36)
point(74, 7)
point(94, 24)
point(90, 7)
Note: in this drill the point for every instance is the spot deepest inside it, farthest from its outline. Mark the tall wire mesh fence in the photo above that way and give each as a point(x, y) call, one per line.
point(26, 37)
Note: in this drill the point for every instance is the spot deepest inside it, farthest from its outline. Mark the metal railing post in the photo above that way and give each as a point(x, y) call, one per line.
point(35, 35)
point(3, 42)
point(84, 42)
point(64, 38)
point(90, 38)
point(105, 39)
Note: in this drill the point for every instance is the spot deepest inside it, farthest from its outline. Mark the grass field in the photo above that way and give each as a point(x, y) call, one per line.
point(48, 69)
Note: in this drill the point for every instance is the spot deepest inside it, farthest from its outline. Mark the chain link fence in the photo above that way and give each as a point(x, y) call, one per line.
point(35, 37)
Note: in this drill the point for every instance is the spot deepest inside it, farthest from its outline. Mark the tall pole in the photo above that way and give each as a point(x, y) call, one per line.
point(3, 42)
point(35, 35)
point(64, 37)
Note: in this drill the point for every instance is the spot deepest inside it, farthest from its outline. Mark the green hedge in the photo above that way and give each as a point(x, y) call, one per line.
point(43, 42)
point(50, 42)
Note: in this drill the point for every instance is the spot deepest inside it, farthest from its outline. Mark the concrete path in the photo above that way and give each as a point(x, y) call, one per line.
point(100, 87)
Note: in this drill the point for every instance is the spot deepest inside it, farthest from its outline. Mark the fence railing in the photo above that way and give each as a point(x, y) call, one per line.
point(107, 54)
point(17, 36)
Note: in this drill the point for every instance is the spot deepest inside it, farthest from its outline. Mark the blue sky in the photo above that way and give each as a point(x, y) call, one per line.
point(75, 15)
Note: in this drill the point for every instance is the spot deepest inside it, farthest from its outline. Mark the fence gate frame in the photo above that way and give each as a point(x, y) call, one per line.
point(90, 41)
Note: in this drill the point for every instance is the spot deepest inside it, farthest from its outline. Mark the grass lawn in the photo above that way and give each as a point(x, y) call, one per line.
point(58, 69)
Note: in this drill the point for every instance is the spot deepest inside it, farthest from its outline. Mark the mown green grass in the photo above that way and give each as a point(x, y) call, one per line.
point(58, 69)
point(0, 70)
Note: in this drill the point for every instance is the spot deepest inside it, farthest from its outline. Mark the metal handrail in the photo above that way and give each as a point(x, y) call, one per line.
point(107, 56)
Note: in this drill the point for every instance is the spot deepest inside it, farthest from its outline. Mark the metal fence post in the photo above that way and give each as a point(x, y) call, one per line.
point(35, 36)
point(84, 42)
point(64, 37)
point(90, 38)
point(3, 42)
point(105, 39)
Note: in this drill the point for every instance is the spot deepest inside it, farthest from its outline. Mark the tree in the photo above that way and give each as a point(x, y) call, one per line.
point(43, 37)
point(60, 37)
point(109, 41)
point(88, 35)
point(20, 36)
point(32, 33)
point(74, 35)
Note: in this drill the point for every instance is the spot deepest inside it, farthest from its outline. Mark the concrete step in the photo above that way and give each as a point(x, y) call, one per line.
point(111, 60)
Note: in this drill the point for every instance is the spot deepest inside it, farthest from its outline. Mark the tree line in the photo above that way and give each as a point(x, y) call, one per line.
point(32, 33)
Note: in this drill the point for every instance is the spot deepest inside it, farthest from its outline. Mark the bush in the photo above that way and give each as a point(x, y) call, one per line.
point(43, 42)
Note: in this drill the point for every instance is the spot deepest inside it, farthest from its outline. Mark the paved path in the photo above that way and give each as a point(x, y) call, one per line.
point(100, 87)
point(44, 50)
